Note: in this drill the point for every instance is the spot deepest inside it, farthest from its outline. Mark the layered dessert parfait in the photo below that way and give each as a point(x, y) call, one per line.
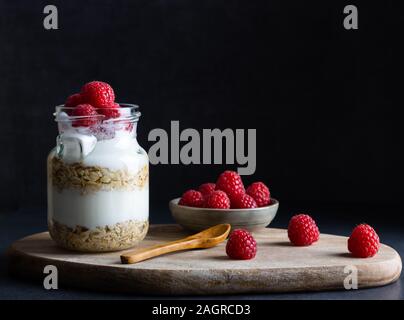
point(98, 174)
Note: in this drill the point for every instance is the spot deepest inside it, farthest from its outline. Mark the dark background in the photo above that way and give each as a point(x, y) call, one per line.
point(323, 99)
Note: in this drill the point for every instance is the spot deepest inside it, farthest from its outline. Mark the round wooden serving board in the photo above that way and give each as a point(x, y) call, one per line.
point(278, 266)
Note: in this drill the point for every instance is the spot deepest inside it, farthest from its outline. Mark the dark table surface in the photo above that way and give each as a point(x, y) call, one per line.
point(23, 222)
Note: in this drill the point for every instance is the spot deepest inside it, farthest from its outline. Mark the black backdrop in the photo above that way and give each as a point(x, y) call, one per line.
point(321, 98)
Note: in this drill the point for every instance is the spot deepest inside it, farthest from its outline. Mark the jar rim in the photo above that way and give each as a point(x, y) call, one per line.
point(131, 113)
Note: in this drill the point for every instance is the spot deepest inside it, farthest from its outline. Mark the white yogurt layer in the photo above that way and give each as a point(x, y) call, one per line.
point(98, 209)
point(122, 152)
point(119, 153)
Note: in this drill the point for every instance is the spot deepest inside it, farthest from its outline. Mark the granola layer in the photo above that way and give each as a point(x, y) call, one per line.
point(115, 237)
point(94, 178)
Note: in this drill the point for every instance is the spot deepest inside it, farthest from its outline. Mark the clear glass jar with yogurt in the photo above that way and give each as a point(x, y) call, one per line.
point(98, 182)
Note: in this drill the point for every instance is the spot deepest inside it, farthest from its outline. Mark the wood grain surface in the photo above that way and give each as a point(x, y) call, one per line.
point(278, 266)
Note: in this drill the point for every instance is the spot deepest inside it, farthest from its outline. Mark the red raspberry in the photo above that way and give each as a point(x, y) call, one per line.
point(110, 111)
point(363, 242)
point(73, 100)
point(302, 230)
point(129, 127)
point(207, 188)
point(88, 113)
point(231, 183)
point(191, 198)
point(260, 192)
point(243, 201)
point(217, 200)
point(98, 94)
point(241, 245)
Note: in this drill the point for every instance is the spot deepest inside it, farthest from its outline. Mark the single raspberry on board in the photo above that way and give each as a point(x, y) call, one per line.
point(110, 111)
point(217, 200)
point(302, 230)
point(243, 201)
point(73, 100)
point(207, 188)
point(241, 245)
point(98, 94)
point(364, 241)
point(260, 192)
point(88, 113)
point(191, 198)
point(231, 183)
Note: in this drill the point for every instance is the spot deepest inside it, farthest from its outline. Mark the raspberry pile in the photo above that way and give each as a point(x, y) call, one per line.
point(94, 103)
point(228, 193)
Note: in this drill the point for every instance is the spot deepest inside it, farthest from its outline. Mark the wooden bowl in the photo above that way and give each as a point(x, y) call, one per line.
point(197, 219)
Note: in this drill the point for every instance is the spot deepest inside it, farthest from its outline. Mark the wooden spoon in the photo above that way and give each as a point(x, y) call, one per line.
point(205, 239)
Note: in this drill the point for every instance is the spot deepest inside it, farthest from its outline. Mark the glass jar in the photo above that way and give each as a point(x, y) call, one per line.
point(98, 182)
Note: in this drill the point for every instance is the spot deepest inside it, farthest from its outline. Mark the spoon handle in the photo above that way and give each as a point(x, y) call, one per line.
point(141, 254)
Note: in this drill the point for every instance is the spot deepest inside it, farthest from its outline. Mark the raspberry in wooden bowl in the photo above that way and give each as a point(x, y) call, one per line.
point(225, 201)
point(196, 218)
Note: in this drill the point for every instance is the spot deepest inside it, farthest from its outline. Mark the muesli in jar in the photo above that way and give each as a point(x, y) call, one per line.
point(98, 175)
